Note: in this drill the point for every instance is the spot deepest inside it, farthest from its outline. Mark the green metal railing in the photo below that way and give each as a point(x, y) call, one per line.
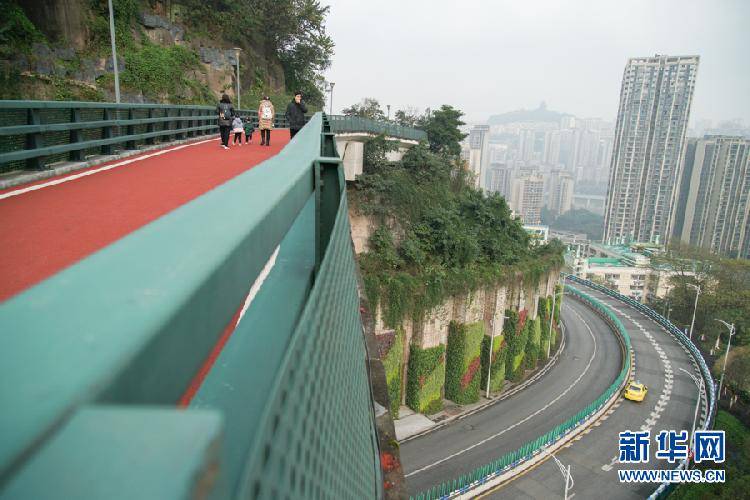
point(349, 124)
point(94, 360)
point(34, 134)
point(533, 448)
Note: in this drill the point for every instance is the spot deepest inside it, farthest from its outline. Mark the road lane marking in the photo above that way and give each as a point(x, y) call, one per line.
point(525, 419)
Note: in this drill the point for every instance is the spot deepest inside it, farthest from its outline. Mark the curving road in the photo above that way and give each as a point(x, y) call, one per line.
point(588, 364)
point(669, 405)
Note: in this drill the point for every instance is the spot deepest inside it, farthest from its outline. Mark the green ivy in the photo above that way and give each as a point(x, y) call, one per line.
point(426, 377)
point(545, 304)
point(17, 32)
point(463, 362)
point(499, 347)
point(532, 346)
point(392, 363)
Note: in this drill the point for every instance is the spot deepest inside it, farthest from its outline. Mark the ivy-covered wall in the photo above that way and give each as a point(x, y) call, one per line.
point(533, 344)
point(517, 339)
point(463, 362)
point(392, 363)
point(425, 379)
point(499, 348)
point(545, 304)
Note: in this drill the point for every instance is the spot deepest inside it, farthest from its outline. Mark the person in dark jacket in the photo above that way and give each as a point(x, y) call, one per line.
point(225, 110)
point(295, 114)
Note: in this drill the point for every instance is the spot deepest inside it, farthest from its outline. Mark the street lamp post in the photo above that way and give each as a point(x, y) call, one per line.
point(695, 306)
point(239, 99)
point(489, 363)
point(726, 355)
point(700, 385)
point(565, 471)
point(330, 103)
point(114, 51)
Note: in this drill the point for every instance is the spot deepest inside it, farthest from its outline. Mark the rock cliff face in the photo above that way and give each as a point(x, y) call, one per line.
point(61, 51)
point(444, 354)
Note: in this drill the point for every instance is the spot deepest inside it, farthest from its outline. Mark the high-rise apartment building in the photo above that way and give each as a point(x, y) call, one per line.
point(713, 205)
point(560, 197)
point(499, 177)
point(655, 99)
point(527, 198)
point(479, 158)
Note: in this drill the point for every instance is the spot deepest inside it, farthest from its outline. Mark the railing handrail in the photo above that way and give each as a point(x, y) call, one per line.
point(134, 323)
point(351, 124)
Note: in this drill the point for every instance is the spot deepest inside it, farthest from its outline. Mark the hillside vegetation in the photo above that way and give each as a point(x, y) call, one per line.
point(179, 51)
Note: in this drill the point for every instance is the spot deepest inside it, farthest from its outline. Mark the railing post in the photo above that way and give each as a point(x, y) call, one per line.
point(34, 140)
point(150, 126)
point(107, 132)
point(328, 191)
point(75, 134)
point(130, 130)
point(189, 124)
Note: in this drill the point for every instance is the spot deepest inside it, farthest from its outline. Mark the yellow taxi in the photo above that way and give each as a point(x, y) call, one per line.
point(635, 391)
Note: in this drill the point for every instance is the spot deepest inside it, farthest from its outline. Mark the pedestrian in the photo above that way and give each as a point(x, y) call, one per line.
point(237, 129)
point(295, 114)
point(225, 110)
point(249, 128)
point(266, 114)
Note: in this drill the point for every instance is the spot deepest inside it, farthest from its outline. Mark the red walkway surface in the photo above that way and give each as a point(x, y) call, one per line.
point(44, 231)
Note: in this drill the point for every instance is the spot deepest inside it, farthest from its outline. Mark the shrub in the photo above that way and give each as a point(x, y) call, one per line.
point(463, 362)
point(426, 377)
point(498, 363)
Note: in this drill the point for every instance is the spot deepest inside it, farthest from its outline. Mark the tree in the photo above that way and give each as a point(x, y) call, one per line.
point(443, 134)
point(367, 108)
point(408, 117)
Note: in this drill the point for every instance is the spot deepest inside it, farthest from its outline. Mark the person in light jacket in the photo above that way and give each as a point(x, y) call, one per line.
point(266, 113)
point(237, 129)
point(225, 110)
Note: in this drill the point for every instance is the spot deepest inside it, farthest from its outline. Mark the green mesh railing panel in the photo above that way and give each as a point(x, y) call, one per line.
point(167, 124)
point(318, 437)
point(510, 460)
point(343, 124)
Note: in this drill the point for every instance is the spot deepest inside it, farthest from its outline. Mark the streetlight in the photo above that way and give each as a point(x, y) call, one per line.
point(330, 103)
point(695, 306)
point(489, 364)
point(114, 51)
point(552, 313)
point(565, 471)
point(697, 403)
point(726, 355)
point(237, 51)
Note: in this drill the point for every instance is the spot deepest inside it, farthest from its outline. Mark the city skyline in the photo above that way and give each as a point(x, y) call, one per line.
point(570, 55)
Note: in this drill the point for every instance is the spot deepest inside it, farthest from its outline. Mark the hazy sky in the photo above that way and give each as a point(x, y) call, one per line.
point(488, 57)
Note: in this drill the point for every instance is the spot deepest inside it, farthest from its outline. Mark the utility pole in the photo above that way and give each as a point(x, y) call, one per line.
point(552, 313)
point(330, 103)
point(726, 355)
point(700, 386)
point(695, 307)
point(114, 51)
point(237, 51)
point(489, 364)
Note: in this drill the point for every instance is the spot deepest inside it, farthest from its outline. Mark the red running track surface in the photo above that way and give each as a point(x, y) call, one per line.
point(44, 231)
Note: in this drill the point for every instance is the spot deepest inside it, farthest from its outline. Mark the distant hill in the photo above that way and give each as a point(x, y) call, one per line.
point(541, 114)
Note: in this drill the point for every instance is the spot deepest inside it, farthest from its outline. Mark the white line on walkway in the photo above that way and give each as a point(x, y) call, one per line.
point(259, 282)
point(526, 419)
point(73, 177)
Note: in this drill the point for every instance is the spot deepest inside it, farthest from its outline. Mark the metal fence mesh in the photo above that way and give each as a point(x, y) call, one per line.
point(318, 439)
